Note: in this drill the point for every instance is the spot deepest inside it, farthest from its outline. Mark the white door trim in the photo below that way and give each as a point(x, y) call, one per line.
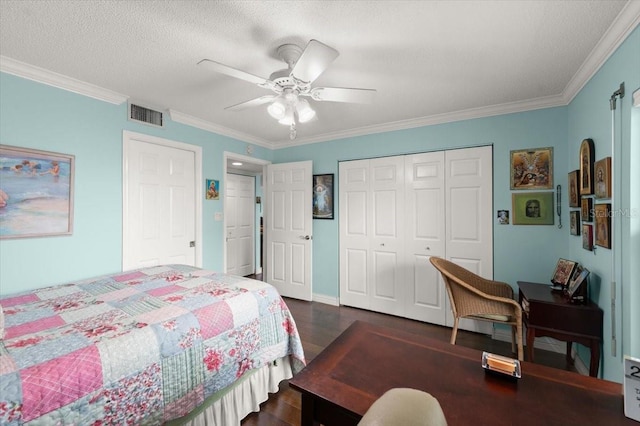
point(226, 155)
point(129, 137)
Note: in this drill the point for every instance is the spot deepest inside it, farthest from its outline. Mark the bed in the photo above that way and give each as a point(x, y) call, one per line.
point(166, 344)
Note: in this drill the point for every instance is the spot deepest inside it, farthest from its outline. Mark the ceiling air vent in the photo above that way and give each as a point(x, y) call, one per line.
point(145, 115)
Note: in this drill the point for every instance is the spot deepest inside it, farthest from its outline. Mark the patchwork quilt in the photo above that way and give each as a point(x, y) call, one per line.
point(141, 347)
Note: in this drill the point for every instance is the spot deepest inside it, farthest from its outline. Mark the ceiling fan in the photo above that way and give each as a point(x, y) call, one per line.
point(292, 84)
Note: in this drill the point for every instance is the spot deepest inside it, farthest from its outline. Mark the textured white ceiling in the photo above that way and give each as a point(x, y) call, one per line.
point(429, 60)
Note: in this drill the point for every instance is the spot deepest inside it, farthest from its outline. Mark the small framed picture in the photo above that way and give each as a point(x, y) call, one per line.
point(574, 189)
point(563, 272)
point(579, 277)
point(323, 196)
point(503, 217)
point(213, 189)
point(586, 211)
point(532, 208)
point(586, 167)
point(532, 168)
point(602, 214)
point(587, 237)
point(602, 176)
point(574, 222)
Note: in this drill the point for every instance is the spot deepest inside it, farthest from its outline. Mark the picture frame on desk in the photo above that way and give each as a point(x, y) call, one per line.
point(575, 290)
point(563, 272)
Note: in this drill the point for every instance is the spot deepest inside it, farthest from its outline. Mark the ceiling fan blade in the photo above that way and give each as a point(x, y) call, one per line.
point(339, 94)
point(233, 72)
point(253, 102)
point(313, 61)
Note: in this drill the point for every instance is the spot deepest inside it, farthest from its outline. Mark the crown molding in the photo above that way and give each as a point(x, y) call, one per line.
point(41, 75)
point(626, 21)
point(468, 114)
point(199, 123)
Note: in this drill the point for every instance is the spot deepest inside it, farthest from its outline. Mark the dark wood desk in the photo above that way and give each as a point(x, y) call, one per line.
point(551, 314)
point(365, 361)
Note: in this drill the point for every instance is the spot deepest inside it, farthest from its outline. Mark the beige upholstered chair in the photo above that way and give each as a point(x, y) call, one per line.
point(477, 298)
point(404, 407)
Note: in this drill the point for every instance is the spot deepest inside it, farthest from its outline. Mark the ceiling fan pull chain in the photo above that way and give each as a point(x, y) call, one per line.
point(292, 131)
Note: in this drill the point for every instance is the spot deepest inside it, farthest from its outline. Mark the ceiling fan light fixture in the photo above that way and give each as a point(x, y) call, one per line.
point(277, 109)
point(304, 110)
point(288, 118)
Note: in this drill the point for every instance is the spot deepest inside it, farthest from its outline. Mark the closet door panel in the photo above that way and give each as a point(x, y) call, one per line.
point(424, 236)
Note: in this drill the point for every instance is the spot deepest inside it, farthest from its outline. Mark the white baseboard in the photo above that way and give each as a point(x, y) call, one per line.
point(547, 344)
point(327, 300)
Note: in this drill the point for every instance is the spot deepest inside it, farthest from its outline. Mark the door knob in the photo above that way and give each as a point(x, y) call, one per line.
point(305, 237)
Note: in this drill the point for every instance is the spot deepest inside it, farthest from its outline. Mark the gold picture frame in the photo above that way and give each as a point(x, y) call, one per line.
point(602, 176)
point(602, 219)
point(574, 188)
point(532, 168)
point(586, 167)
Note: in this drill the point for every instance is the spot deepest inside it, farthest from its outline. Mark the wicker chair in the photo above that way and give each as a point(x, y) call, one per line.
point(477, 298)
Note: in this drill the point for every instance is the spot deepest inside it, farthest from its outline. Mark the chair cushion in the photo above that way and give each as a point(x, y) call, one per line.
point(405, 407)
point(494, 317)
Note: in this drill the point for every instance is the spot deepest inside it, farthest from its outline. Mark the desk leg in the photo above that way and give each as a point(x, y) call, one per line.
point(308, 411)
point(594, 364)
point(531, 335)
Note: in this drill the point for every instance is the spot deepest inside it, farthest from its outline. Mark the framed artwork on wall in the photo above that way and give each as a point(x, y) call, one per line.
point(587, 237)
point(602, 214)
point(602, 176)
point(213, 189)
point(574, 222)
point(586, 167)
point(532, 168)
point(36, 198)
point(323, 196)
point(586, 210)
point(532, 208)
point(574, 188)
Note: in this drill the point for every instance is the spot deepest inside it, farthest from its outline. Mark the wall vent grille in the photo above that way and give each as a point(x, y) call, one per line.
point(146, 115)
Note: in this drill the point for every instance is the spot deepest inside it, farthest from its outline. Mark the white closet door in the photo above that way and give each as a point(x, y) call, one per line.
point(387, 271)
point(240, 223)
point(355, 225)
point(469, 219)
point(425, 236)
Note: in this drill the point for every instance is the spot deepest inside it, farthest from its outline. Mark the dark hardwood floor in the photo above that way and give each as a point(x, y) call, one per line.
point(319, 324)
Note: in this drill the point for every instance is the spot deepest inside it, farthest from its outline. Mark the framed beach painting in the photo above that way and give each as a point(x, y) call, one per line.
point(36, 193)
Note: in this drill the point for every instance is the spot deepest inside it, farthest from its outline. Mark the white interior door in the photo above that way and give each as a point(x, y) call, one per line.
point(288, 228)
point(425, 236)
point(160, 204)
point(240, 224)
point(469, 223)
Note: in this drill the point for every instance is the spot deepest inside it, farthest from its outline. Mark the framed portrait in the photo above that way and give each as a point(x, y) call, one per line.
point(574, 189)
point(577, 280)
point(587, 237)
point(563, 272)
point(323, 196)
point(602, 215)
point(574, 222)
point(503, 217)
point(532, 208)
point(586, 209)
point(532, 168)
point(586, 167)
point(36, 197)
point(213, 189)
point(602, 176)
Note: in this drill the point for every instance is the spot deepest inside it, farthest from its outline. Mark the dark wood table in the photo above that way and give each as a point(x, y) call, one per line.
point(550, 313)
point(342, 382)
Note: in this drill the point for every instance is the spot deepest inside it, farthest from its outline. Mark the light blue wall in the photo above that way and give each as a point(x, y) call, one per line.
point(526, 253)
point(590, 117)
point(37, 116)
